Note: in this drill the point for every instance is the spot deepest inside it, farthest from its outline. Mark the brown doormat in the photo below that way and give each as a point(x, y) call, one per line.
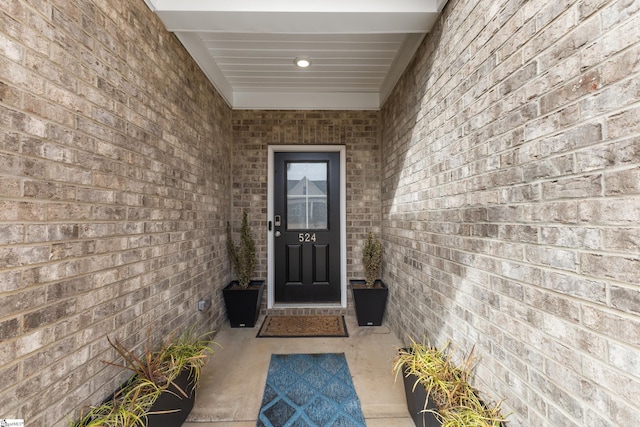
point(303, 326)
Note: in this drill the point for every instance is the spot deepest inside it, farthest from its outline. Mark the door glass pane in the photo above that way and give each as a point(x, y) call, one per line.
point(307, 196)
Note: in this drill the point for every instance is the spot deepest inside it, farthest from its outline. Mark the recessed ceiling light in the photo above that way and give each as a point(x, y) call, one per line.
point(302, 61)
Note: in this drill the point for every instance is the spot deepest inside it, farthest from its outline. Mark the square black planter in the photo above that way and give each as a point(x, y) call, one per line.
point(370, 303)
point(417, 403)
point(421, 409)
point(172, 407)
point(243, 305)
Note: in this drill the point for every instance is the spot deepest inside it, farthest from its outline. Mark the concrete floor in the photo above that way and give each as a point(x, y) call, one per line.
point(233, 381)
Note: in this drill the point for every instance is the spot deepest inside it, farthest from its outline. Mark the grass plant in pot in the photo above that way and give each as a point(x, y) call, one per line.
point(243, 297)
point(439, 392)
point(161, 391)
point(370, 295)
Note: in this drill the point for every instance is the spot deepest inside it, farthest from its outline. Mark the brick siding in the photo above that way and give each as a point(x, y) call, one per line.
point(511, 203)
point(358, 131)
point(503, 173)
point(114, 177)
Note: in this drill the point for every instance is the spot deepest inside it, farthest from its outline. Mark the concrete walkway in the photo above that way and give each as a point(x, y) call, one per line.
point(233, 381)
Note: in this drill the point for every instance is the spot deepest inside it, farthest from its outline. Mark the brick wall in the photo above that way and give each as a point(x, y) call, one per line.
point(511, 203)
point(114, 194)
point(510, 198)
point(359, 131)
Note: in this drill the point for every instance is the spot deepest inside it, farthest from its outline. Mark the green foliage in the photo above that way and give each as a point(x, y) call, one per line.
point(127, 408)
point(149, 366)
point(243, 255)
point(187, 351)
point(114, 414)
point(474, 413)
point(448, 385)
point(153, 372)
point(372, 259)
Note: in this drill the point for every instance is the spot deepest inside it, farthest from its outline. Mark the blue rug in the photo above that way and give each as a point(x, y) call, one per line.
point(310, 390)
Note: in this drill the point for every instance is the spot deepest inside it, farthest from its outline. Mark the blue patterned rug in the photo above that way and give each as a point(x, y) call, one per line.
point(310, 390)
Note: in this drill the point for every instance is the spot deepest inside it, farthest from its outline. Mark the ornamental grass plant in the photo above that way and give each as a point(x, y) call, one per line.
point(163, 366)
point(152, 374)
point(128, 407)
point(447, 385)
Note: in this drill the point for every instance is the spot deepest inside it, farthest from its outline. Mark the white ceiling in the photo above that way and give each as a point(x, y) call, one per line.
point(358, 48)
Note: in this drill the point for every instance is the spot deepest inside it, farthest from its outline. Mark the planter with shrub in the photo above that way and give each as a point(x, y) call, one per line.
point(370, 295)
point(243, 297)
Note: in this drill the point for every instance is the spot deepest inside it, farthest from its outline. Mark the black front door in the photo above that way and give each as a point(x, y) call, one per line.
point(307, 227)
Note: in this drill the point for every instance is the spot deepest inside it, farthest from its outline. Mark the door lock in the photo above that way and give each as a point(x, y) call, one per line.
point(278, 234)
point(276, 221)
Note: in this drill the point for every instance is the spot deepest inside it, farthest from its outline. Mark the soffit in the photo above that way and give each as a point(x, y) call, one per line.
point(358, 48)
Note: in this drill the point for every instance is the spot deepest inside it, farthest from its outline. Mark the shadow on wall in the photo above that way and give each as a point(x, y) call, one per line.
point(509, 217)
point(417, 291)
point(435, 224)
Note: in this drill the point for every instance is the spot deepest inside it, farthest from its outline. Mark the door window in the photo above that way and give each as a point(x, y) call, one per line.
point(306, 197)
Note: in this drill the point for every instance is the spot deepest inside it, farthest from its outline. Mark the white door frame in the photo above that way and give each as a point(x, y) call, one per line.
point(343, 222)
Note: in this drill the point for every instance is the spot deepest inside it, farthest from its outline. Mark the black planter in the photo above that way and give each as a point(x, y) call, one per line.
point(370, 303)
point(172, 407)
point(416, 400)
point(243, 305)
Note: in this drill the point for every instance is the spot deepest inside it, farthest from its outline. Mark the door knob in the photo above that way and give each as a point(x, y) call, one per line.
point(278, 234)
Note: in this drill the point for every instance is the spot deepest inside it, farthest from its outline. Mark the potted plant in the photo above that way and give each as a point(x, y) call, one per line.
point(439, 392)
point(243, 297)
point(126, 408)
point(370, 295)
point(161, 391)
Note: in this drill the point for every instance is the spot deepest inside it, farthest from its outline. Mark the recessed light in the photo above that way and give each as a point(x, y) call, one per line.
point(302, 61)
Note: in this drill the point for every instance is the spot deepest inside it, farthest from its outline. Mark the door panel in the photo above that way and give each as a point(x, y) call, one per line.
point(321, 263)
point(307, 227)
point(294, 263)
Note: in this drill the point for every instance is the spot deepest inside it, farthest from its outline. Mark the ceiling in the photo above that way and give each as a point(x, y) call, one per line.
point(358, 48)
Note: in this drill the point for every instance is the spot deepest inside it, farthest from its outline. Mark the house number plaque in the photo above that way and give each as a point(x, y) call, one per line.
point(306, 237)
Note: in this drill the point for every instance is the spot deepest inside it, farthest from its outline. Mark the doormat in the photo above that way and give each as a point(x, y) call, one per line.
point(309, 390)
point(303, 326)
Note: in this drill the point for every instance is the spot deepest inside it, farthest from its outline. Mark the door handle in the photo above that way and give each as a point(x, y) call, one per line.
point(278, 234)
